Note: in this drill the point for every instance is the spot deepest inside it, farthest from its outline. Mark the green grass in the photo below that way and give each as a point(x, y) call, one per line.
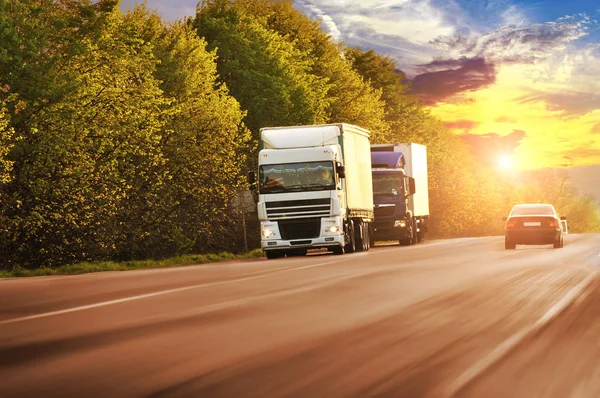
point(100, 266)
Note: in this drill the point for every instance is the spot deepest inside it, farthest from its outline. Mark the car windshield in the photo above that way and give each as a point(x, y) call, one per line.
point(532, 211)
point(296, 177)
point(388, 184)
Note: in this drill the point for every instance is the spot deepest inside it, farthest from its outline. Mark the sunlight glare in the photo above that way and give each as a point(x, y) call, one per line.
point(506, 161)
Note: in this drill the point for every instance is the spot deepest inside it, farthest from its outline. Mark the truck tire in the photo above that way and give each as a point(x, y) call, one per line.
point(420, 232)
point(296, 252)
point(415, 234)
point(359, 236)
point(273, 254)
point(351, 244)
point(338, 250)
point(367, 238)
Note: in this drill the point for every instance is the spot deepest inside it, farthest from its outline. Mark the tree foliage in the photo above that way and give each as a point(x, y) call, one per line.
point(122, 137)
point(118, 164)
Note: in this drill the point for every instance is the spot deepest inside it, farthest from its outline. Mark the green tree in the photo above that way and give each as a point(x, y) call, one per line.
point(204, 142)
point(90, 147)
point(6, 143)
point(268, 75)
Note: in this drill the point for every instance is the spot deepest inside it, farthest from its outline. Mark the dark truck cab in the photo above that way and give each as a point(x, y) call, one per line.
point(400, 213)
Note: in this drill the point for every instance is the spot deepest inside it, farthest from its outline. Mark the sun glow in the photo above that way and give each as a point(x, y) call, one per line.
point(506, 162)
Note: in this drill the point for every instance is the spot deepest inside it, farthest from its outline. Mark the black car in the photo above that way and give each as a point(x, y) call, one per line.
point(533, 224)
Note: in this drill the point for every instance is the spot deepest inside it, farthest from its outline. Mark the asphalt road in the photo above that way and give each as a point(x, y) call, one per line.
point(446, 318)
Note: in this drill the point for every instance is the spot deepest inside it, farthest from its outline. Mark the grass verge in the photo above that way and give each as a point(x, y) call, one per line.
point(99, 266)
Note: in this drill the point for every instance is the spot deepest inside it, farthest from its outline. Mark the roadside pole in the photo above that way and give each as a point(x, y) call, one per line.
point(244, 227)
point(244, 203)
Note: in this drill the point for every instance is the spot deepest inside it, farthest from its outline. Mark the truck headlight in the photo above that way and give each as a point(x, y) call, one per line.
point(399, 223)
point(332, 229)
point(267, 233)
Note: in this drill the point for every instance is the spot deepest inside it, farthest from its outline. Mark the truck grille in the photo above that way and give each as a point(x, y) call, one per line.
point(300, 228)
point(306, 208)
point(386, 211)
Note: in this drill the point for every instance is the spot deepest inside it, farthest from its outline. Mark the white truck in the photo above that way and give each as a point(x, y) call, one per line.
point(314, 189)
point(400, 192)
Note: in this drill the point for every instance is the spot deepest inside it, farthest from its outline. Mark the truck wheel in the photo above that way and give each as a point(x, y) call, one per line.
point(273, 254)
point(419, 232)
point(415, 234)
point(366, 237)
point(351, 244)
point(296, 252)
point(338, 250)
point(410, 239)
point(359, 236)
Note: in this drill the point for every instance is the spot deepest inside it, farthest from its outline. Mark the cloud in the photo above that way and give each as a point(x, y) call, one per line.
point(177, 9)
point(488, 147)
point(589, 150)
point(314, 12)
point(463, 125)
point(570, 103)
point(462, 76)
point(517, 43)
point(402, 29)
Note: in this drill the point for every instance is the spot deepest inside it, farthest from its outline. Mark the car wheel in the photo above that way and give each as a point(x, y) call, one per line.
point(559, 243)
point(509, 245)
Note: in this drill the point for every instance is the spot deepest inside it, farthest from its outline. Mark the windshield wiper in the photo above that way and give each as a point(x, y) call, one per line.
point(320, 186)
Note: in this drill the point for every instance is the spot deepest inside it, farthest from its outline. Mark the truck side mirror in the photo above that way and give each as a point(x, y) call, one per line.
point(411, 186)
point(341, 170)
point(252, 180)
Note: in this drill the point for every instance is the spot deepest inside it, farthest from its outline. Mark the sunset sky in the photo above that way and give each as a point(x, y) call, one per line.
point(525, 74)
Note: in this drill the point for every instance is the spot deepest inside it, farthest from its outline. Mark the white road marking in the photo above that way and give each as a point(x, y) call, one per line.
point(251, 276)
point(509, 344)
point(256, 275)
point(248, 300)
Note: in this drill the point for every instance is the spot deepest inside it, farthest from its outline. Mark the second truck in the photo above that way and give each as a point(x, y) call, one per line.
point(314, 189)
point(401, 192)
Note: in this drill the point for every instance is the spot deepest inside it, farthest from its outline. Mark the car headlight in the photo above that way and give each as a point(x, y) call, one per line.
point(267, 233)
point(400, 223)
point(332, 229)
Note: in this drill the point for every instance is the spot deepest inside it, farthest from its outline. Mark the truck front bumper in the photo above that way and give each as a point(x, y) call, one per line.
point(313, 243)
point(390, 230)
point(329, 230)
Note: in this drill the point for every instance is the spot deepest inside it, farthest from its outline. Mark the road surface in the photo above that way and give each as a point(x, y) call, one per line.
point(460, 317)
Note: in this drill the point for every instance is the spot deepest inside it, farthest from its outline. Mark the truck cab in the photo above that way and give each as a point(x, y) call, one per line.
point(391, 191)
point(400, 192)
point(314, 189)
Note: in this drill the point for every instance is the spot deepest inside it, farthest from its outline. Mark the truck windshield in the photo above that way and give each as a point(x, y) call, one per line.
point(296, 177)
point(388, 184)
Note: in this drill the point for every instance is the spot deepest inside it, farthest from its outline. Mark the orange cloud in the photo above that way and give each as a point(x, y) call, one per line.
point(555, 136)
